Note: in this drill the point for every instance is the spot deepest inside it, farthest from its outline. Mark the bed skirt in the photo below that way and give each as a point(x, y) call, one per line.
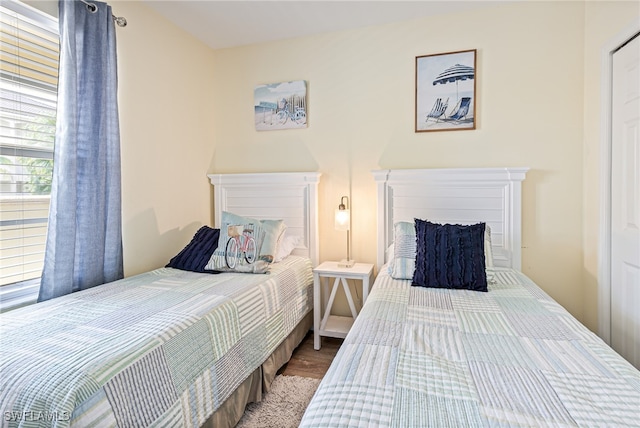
point(259, 382)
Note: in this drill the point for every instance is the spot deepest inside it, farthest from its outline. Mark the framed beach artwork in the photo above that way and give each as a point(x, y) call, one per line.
point(446, 91)
point(280, 106)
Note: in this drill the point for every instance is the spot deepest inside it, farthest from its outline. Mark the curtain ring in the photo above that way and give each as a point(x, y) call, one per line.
point(122, 22)
point(92, 7)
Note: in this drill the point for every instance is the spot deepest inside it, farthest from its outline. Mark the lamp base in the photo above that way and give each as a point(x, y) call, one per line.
point(344, 263)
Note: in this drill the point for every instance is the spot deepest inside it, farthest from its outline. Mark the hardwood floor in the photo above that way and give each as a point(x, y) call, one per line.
point(307, 362)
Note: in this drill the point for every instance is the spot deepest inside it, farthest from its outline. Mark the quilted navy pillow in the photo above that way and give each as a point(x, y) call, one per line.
point(450, 256)
point(195, 256)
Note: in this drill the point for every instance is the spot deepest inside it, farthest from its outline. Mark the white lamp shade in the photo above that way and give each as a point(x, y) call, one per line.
point(342, 219)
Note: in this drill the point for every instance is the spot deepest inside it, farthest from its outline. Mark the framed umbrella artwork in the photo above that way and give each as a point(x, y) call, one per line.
point(446, 91)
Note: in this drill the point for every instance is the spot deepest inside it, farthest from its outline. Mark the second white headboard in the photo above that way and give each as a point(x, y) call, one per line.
point(458, 195)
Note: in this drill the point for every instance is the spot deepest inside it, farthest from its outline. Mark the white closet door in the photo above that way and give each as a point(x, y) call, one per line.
point(625, 203)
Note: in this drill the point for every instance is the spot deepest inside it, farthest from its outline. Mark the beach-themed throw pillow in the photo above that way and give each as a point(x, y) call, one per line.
point(246, 244)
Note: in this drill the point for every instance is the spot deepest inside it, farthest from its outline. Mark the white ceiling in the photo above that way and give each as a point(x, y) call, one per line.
point(224, 24)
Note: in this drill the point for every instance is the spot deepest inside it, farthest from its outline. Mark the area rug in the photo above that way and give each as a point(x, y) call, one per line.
point(283, 406)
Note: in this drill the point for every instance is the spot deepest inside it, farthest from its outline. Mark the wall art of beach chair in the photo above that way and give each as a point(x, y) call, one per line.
point(462, 110)
point(438, 110)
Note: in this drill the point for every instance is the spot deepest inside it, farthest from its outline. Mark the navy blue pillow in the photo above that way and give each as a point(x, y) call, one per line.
point(450, 256)
point(195, 256)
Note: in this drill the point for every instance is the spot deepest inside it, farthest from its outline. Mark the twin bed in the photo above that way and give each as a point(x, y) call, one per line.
point(169, 347)
point(178, 348)
point(437, 357)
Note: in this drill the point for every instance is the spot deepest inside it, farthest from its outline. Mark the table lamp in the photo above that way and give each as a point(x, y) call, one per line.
point(343, 222)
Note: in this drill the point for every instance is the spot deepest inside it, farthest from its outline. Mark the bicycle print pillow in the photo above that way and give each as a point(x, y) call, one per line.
point(246, 244)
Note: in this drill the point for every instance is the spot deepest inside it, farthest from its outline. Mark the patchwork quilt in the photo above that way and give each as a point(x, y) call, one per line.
point(427, 357)
point(165, 348)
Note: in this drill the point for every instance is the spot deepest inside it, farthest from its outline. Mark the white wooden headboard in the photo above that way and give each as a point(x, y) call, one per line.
point(459, 195)
point(291, 196)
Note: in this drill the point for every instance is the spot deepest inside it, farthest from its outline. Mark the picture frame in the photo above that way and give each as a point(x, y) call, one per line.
point(280, 106)
point(446, 91)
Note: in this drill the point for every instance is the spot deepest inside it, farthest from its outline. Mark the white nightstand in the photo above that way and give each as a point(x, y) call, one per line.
point(333, 325)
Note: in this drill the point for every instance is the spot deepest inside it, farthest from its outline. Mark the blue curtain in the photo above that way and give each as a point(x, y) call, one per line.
point(84, 241)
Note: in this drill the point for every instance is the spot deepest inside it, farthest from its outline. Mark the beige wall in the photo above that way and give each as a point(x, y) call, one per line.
point(604, 21)
point(361, 112)
point(165, 91)
point(164, 95)
point(165, 98)
point(187, 110)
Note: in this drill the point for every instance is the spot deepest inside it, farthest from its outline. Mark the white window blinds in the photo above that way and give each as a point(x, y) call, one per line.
point(29, 51)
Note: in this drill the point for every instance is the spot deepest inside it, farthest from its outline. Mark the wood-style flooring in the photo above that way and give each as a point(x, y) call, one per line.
point(307, 362)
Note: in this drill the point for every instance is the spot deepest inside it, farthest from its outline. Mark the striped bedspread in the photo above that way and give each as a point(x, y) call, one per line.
point(418, 357)
point(164, 348)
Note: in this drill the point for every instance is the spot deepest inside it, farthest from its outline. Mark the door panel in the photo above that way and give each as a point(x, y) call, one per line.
point(625, 202)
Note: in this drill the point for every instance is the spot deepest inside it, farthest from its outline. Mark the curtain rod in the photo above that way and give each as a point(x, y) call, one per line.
point(91, 7)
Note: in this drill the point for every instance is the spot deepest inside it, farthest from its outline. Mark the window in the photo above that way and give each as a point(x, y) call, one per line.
point(29, 52)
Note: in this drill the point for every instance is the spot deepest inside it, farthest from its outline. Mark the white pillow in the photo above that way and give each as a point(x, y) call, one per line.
point(286, 247)
point(488, 250)
point(388, 258)
point(388, 255)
